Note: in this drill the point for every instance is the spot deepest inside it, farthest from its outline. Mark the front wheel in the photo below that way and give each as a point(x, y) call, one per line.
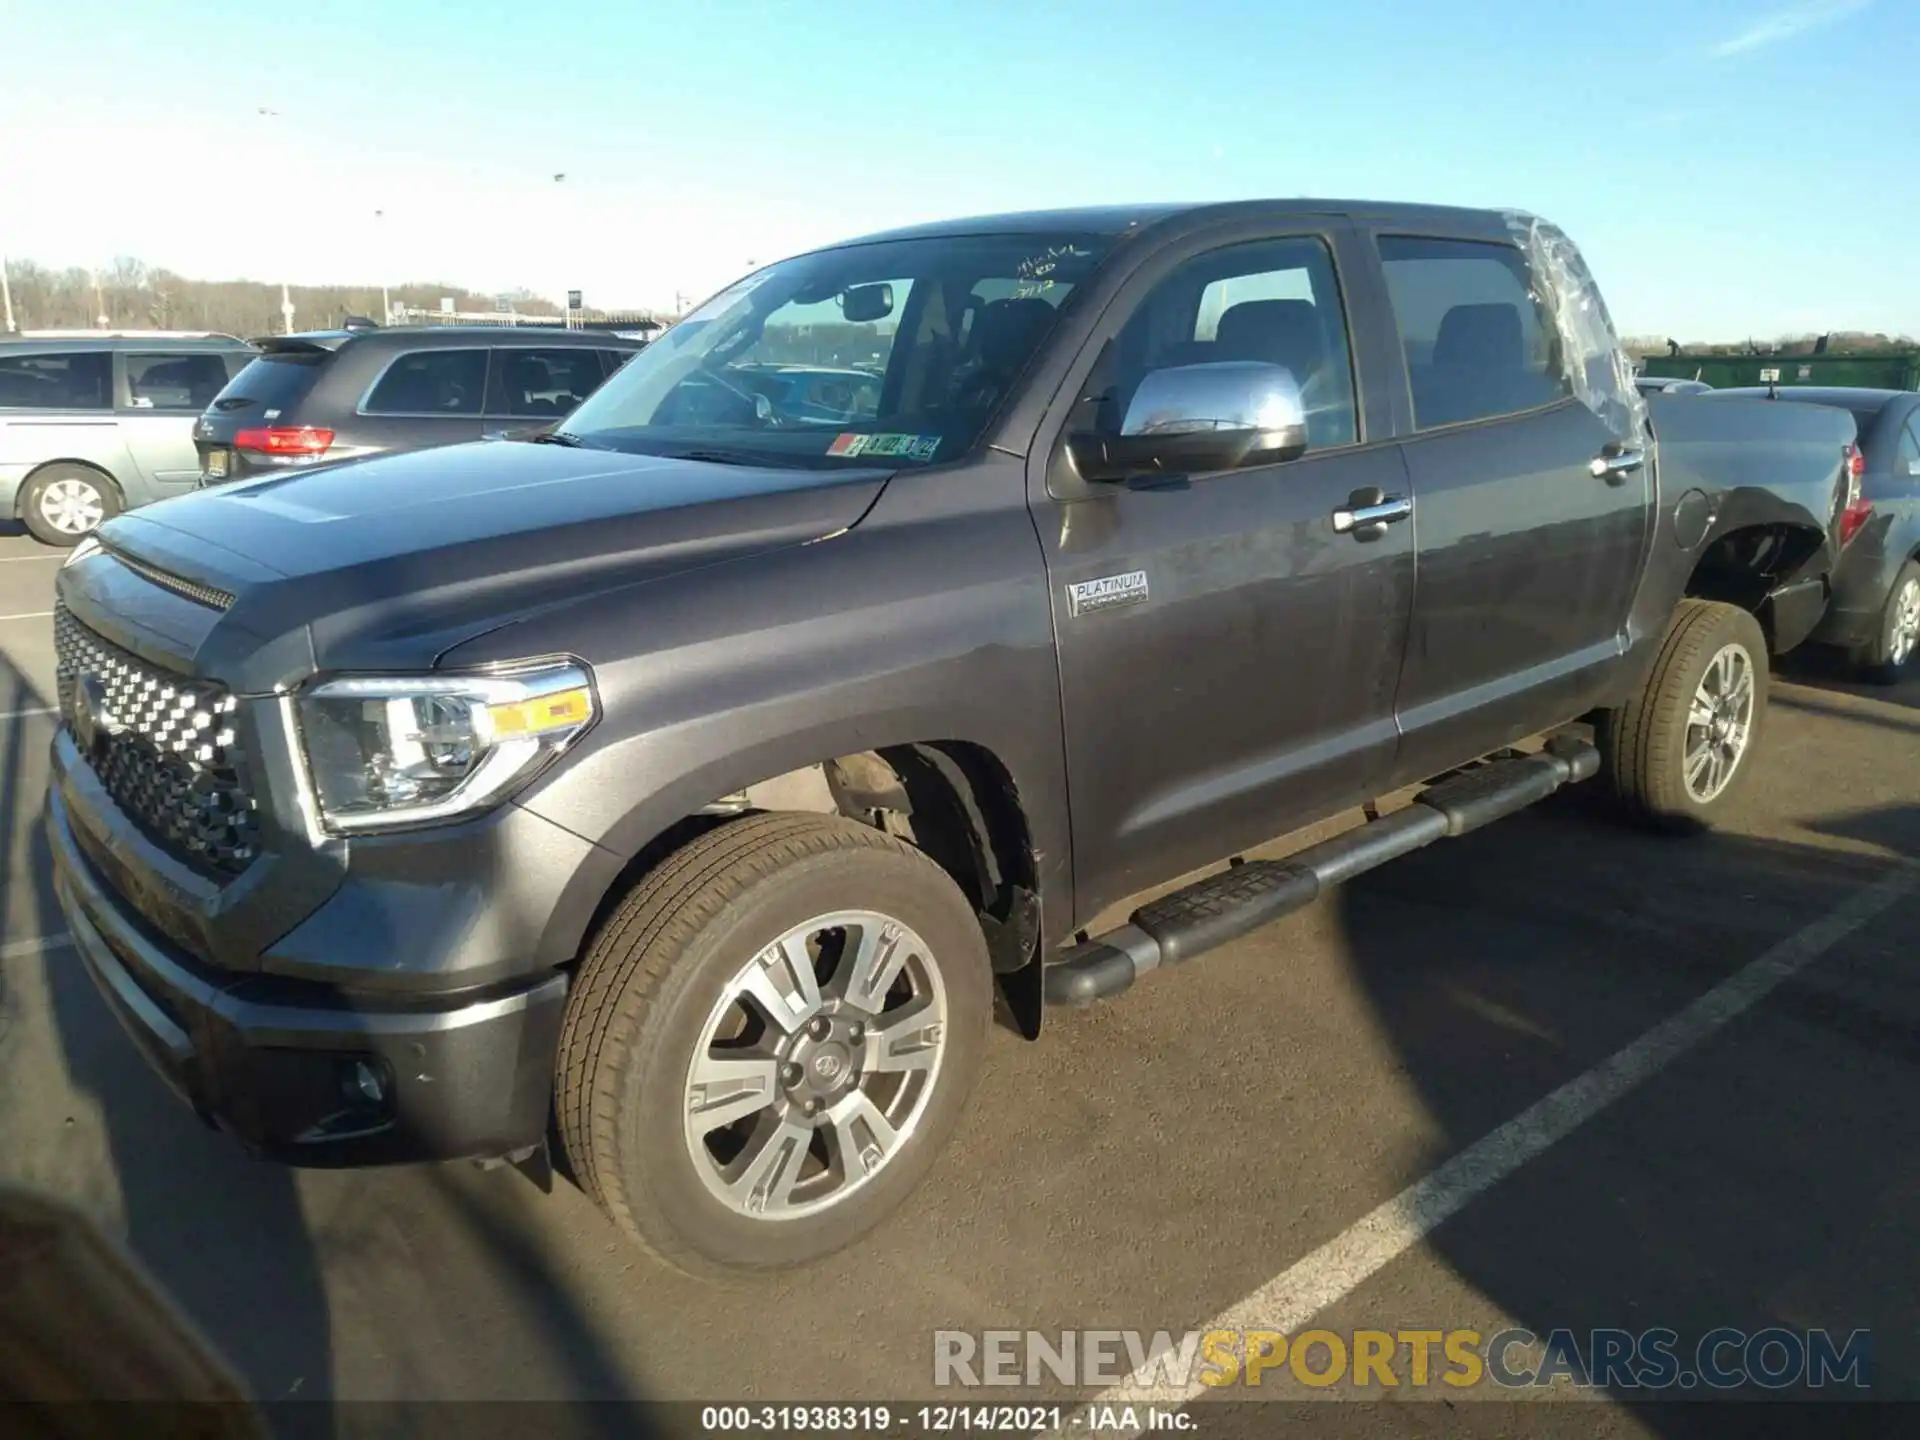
point(770, 1040)
point(1679, 749)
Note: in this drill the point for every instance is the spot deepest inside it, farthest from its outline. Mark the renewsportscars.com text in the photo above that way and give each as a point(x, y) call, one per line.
point(1653, 1359)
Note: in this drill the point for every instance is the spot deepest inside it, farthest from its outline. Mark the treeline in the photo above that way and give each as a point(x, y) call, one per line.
point(1851, 342)
point(129, 295)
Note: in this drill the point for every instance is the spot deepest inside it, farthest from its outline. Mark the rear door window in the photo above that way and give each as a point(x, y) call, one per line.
point(614, 359)
point(1477, 342)
point(430, 382)
point(179, 381)
point(541, 384)
point(57, 380)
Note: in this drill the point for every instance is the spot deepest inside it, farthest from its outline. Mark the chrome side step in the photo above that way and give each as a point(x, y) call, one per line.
point(1242, 898)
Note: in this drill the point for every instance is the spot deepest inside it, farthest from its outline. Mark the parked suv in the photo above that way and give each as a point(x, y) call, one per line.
point(690, 778)
point(328, 396)
point(94, 425)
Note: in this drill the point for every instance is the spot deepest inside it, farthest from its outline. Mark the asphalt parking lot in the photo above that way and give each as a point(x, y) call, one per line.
point(1203, 1147)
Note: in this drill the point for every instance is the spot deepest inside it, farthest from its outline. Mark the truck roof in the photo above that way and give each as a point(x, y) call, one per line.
point(1118, 219)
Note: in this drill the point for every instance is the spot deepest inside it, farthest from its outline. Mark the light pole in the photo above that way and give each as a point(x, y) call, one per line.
point(386, 305)
point(566, 292)
point(286, 300)
point(6, 293)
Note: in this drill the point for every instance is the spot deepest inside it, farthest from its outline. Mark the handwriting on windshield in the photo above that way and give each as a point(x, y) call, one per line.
point(1037, 274)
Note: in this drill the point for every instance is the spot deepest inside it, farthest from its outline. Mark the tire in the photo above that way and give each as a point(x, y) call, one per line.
point(60, 496)
point(644, 1005)
point(1649, 744)
point(1884, 659)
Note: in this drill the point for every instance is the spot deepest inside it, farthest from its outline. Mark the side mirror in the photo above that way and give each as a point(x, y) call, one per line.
point(1191, 419)
point(863, 303)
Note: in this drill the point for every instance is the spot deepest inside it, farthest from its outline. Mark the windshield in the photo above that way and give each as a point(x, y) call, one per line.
point(899, 351)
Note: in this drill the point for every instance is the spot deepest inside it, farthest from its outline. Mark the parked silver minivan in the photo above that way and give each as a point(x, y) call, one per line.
point(92, 425)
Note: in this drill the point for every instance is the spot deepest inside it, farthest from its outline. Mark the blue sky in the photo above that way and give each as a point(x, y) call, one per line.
point(1727, 167)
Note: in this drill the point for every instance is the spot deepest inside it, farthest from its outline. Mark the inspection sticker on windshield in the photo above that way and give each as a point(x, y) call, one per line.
point(906, 447)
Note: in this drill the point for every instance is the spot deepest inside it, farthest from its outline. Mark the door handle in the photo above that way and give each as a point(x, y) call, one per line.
point(1367, 517)
point(1616, 461)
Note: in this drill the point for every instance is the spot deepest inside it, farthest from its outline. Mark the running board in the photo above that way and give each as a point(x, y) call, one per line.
point(1249, 894)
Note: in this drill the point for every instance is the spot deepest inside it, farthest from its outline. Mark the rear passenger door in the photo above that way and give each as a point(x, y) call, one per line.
point(1527, 560)
point(159, 395)
point(1227, 654)
point(422, 398)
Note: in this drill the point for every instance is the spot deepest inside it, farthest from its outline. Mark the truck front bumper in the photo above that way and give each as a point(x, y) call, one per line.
point(312, 1074)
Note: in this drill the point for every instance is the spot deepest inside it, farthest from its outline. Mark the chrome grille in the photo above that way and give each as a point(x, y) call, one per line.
point(165, 748)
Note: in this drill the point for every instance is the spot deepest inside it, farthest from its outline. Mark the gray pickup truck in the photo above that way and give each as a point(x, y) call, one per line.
point(669, 794)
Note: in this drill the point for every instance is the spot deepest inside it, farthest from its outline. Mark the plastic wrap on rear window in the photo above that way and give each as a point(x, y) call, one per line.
point(1601, 373)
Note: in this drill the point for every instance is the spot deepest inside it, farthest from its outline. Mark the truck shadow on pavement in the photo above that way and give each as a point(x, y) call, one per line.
point(1754, 1182)
point(223, 1236)
point(252, 1251)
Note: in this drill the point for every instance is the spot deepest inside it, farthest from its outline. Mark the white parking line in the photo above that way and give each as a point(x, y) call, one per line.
point(39, 945)
point(24, 714)
point(1291, 1298)
point(31, 559)
point(29, 615)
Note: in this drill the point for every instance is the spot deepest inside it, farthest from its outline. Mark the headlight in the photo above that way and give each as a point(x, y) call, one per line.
point(89, 546)
point(398, 750)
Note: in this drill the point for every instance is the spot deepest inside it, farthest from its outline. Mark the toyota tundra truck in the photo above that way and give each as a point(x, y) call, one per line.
point(667, 793)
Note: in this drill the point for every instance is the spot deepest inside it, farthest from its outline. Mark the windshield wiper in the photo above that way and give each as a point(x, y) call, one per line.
point(714, 457)
point(557, 437)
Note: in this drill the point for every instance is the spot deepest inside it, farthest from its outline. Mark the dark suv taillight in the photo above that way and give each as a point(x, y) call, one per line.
point(1858, 508)
point(304, 442)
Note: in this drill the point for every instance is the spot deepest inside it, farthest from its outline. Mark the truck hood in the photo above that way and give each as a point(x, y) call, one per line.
point(389, 562)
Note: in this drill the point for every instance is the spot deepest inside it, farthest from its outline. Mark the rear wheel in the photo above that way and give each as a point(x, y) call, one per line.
point(770, 1041)
point(1682, 746)
point(63, 504)
point(1883, 660)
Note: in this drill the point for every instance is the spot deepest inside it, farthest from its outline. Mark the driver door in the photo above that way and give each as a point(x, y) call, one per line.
point(1227, 656)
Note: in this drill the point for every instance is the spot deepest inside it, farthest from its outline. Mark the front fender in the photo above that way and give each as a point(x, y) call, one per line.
point(927, 621)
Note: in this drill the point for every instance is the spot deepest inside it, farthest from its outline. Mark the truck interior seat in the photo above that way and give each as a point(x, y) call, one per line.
point(1479, 367)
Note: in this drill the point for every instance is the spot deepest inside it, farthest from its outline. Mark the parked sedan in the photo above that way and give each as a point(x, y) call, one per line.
point(96, 424)
point(1875, 612)
point(317, 399)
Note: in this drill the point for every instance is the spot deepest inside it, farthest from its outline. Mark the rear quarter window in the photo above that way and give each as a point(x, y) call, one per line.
point(430, 382)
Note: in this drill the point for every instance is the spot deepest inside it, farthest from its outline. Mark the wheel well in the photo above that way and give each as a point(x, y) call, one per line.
point(954, 800)
point(1743, 567)
point(20, 495)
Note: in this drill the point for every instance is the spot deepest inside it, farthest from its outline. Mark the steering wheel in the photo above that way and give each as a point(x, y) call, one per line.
point(762, 407)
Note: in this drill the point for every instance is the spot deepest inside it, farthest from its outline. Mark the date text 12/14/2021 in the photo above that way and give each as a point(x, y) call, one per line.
point(941, 1419)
